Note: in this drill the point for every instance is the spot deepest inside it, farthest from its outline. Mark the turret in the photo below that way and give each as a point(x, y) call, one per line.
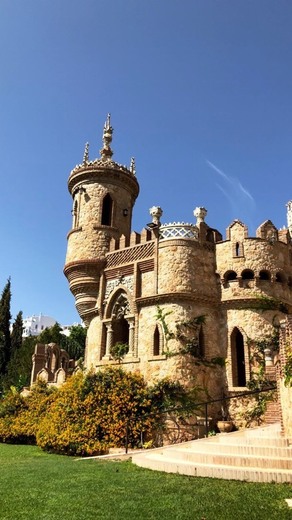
point(104, 193)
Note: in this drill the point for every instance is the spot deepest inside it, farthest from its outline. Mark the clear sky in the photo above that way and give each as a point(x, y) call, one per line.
point(200, 92)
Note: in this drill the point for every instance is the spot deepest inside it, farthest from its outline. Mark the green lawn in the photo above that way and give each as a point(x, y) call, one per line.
point(38, 486)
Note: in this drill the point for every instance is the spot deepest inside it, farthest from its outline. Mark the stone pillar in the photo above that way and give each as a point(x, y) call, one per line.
point(268, 357)
point(109, 341)
point(131, 352)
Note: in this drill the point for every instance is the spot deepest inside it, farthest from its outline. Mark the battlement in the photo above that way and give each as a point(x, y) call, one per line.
point(135, 239)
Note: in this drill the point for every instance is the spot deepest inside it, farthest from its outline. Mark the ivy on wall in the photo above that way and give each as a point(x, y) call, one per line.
point(187, 334)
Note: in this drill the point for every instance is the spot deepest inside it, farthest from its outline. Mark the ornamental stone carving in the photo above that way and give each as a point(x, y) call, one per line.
point(126, 281)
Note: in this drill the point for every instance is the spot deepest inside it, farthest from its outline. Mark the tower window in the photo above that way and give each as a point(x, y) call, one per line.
point(201, 343)
point(265, 275)
point(156, 342)
point(280, 278)
point(75, 214)
point(107, 208)
point(247, 274)
point(230, 275)
point(238, 360)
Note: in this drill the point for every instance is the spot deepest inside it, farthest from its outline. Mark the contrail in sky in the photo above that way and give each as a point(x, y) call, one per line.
point(240, 199)
point(231, 180)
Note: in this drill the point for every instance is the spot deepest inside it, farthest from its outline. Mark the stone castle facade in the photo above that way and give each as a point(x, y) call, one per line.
point(120, 279)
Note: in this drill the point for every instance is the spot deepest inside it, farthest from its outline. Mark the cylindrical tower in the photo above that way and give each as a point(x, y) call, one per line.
point(104, 193)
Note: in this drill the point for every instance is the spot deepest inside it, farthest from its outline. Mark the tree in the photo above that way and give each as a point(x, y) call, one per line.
point(75, 342)
point(20, 365)
point(51, 335)
point(5, 317)
point(16, 334)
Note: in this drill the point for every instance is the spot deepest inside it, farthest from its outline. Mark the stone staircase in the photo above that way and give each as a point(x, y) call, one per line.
point(254, 455)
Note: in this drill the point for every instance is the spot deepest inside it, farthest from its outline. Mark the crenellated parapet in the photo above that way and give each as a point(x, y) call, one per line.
point(251, 267)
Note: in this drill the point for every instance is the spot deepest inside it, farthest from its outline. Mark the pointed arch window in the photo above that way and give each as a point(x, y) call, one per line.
point(156, 342)
point(238, 358)
point(119, 327)
point(75, 215)
point(107, 210)
point(201, 343)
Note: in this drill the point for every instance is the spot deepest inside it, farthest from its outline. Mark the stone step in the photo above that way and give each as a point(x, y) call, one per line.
point(230, 459)
point(240, 449)
point(258, 455)
point(233, 438)
point(171, 465)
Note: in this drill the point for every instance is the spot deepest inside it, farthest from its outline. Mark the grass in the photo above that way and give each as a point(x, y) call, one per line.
point(38, 486)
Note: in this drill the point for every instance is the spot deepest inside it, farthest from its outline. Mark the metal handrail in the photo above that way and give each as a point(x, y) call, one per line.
point(203, 404)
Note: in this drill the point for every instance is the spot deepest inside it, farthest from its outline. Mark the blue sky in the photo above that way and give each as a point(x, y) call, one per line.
point(199, 92)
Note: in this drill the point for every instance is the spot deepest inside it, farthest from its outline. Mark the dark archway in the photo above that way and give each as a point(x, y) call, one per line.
point(230, 275)
point(120, 330)
point(247, 274)
point(264, 275)
point(156, 342)
point(201, 343)
point(238, 360)
point(107, 209)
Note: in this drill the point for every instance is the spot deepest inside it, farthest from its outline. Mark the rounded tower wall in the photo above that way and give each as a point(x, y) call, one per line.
point(254, 325)
point(255, 254)
point(89, 238)
point(185, 265)
point(253, 267)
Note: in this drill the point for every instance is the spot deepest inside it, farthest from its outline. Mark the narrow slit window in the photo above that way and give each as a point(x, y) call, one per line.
point(107, 208)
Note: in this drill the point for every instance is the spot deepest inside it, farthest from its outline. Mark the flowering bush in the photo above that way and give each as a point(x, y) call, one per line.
point(20, 416)
point(88, 414)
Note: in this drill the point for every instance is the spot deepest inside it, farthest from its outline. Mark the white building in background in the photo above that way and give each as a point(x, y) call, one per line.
point(34, 325)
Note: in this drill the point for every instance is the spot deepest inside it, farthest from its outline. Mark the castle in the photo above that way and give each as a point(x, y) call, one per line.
point(147, 290)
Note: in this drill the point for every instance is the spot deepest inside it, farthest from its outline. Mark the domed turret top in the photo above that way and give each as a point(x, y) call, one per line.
point(106, 153)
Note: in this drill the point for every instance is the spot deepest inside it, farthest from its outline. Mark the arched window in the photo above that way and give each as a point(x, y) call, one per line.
point(230, 275)
point(75, 215)
point(107, 208)
point(201, 343)
point(280, 278)
point(264, 275)
point(237, 358)
point(120, 330)
point(156, 342)
point(247, 274)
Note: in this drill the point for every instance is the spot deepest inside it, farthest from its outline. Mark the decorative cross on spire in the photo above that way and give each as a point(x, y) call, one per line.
point(86, 154)
point(106, 151)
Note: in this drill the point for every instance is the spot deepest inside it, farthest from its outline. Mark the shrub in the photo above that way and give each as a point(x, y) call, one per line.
point(89, 414)
point(20, 416)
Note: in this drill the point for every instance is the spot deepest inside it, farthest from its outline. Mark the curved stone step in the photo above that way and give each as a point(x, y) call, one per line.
point(258, 455)
point(173, 465)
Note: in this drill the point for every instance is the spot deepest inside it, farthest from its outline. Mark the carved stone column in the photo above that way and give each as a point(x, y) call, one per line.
point(131, 337)
point(109, 341)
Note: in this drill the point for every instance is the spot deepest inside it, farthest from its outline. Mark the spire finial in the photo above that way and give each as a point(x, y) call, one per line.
point(86, 154)
point(133, 166)
point(106, 151)
point(289, 215)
